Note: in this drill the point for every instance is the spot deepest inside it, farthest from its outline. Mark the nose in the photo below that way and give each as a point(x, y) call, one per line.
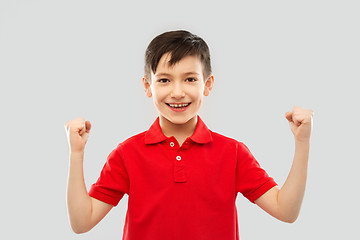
point(177, 91)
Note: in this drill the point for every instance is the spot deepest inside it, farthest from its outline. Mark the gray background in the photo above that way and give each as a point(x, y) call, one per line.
point(65, 59)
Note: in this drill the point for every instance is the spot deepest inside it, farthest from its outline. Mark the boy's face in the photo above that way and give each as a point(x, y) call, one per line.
point(181, 84)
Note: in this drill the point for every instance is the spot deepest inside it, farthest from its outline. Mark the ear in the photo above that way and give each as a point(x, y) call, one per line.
point(209, 84)
point(147, 88)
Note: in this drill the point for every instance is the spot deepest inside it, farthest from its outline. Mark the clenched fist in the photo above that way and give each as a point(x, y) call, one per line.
point(300, 121)
point(77, 132)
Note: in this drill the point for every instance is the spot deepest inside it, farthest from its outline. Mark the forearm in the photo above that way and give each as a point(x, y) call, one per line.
point(78, 199)
point(291, 194)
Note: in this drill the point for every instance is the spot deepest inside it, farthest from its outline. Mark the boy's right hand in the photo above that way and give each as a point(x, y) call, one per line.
point(77, 131)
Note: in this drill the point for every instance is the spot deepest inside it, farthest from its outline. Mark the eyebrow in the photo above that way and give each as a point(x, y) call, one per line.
point(167, 74)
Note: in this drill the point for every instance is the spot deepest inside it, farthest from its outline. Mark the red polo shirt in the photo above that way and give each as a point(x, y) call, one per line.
point(180, 193)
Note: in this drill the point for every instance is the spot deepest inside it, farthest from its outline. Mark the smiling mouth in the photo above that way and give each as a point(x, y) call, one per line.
point(181, 105)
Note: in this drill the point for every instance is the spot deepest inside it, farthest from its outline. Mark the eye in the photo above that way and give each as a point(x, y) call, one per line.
point(163, 80)
point(191, 80)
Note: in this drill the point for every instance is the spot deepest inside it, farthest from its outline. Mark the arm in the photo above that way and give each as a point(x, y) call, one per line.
point(84, 211)
point(285, 203)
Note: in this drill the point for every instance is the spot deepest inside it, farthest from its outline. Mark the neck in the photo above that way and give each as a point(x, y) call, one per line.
point(178, 130)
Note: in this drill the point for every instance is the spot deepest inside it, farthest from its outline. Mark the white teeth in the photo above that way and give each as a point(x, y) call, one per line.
point(178, 105)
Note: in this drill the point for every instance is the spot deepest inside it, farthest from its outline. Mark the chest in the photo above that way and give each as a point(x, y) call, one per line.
point(192, 169)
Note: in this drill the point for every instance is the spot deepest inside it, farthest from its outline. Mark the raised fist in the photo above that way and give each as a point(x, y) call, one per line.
point(301, 121)
point(77, 131)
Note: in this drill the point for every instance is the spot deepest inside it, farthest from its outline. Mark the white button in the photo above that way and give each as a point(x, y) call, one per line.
point(178, 158)
point(172, 144)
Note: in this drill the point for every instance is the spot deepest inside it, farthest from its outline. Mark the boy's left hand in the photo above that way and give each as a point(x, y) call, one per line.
point(300, 121)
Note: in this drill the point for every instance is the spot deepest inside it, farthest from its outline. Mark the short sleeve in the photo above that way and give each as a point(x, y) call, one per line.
point(113, 182)
point(251, 180)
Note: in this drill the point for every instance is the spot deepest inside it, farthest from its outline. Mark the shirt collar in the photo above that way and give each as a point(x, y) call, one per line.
point(155, 135)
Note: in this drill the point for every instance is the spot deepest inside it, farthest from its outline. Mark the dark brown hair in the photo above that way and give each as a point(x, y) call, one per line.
point(179, 44)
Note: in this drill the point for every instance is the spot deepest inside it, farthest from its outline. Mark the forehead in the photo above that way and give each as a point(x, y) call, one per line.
point(185, 65)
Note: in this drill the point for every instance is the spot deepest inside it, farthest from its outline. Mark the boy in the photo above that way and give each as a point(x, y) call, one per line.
point(182, 179)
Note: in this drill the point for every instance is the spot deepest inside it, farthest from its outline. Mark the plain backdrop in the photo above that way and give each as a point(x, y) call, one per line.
point(65, 59)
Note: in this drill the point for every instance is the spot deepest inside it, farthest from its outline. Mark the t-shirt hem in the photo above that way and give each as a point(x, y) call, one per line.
point(103, 197)
point(261, 190)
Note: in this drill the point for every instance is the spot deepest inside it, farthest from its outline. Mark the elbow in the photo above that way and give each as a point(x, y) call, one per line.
point(286, 217)
point(289, 219)
point(80, 225)
point(79, 229)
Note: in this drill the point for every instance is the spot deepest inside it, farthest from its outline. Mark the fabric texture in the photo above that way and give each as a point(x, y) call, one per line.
point(181, 192)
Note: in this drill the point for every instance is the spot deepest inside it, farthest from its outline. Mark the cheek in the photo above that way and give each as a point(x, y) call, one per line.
point(197, 97)
point(197, 94)
point(158, 95)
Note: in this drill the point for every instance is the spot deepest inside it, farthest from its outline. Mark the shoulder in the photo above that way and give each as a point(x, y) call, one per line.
point(221, 138)
point(134, 140)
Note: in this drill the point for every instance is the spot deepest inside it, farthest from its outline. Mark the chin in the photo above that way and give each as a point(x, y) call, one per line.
point(179, 119)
